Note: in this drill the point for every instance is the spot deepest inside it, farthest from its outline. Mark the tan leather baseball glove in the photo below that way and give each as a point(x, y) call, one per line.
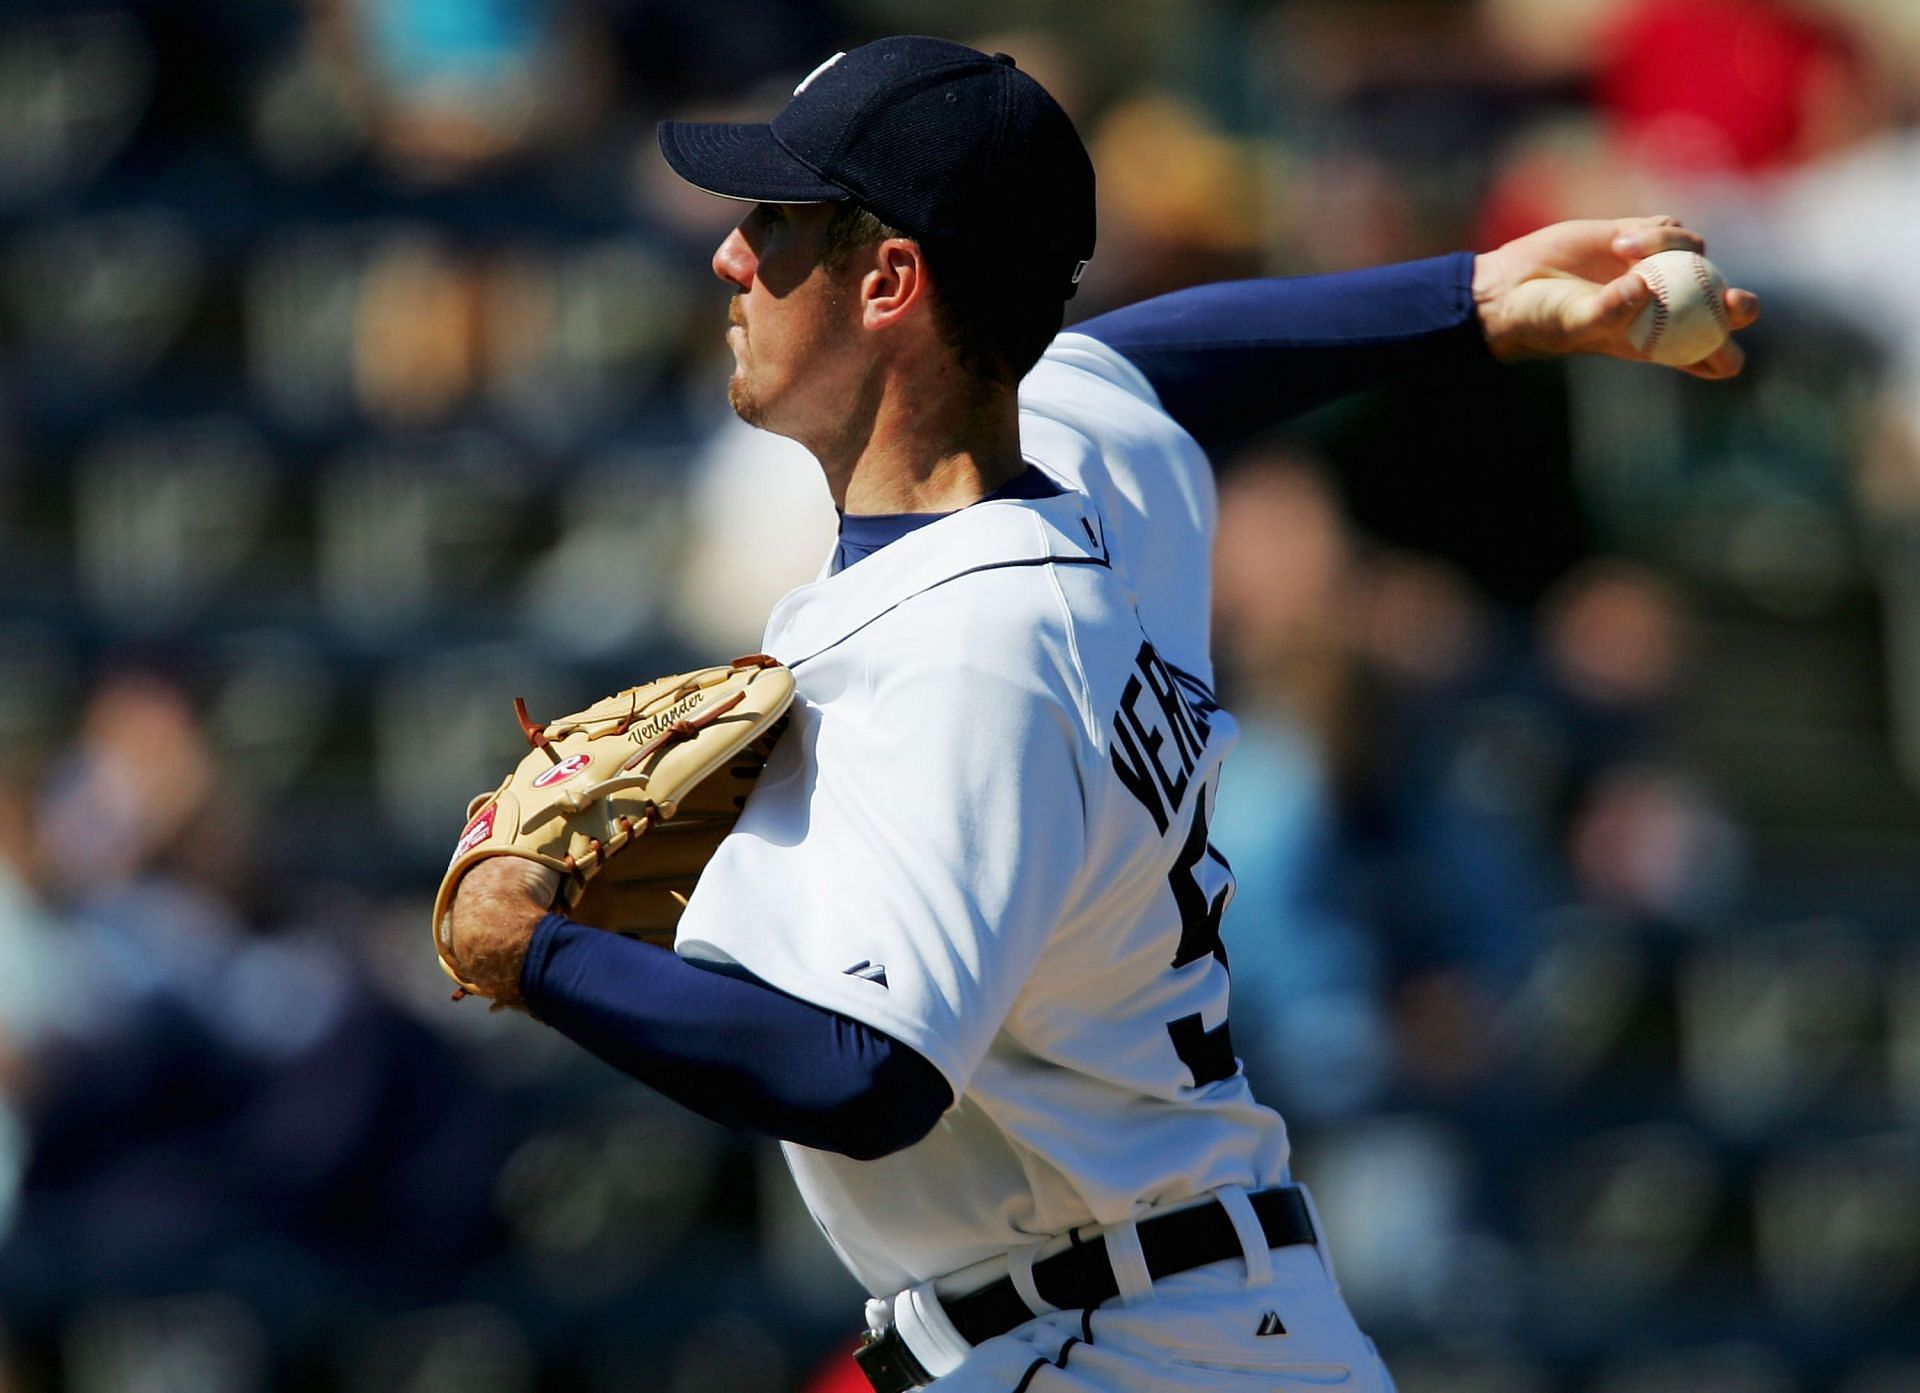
point(628, 799)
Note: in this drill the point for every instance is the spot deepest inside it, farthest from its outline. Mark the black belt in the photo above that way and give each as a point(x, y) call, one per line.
point(1082, 1277)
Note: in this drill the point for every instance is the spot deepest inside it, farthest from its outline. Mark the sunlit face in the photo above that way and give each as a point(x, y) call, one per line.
point(792, 322)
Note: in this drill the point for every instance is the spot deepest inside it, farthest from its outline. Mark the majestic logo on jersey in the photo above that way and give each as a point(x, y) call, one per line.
point(1158, 734)
point(868, 971)
point(564, 770)
point(477, 832)
point(1270, 1324)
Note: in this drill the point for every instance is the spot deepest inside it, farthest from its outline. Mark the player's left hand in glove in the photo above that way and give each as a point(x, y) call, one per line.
point(610, 818)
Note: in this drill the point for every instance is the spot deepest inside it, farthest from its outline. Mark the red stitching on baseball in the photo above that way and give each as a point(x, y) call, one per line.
point(1714, 302)
point(1656, 279)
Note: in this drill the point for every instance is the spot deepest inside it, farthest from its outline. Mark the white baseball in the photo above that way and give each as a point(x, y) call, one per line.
point(1685, 319)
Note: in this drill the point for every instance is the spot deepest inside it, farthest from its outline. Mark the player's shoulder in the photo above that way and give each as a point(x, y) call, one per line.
point(1090, 418)
point(977, 581)
point(1045, 624)
point(1083, 386)
point(1007, 608)
point(1080, 367)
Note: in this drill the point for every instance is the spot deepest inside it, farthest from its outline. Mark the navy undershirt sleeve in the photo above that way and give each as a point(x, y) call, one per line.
point(1234, 358)
point(731, 1047)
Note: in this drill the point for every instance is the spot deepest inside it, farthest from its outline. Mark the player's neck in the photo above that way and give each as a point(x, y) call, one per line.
point(926, 451)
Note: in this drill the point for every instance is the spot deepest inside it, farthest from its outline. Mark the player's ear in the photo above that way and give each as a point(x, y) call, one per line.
point(896, 283)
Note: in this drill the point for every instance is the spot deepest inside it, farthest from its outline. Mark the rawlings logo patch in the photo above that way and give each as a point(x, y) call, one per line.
point(477, 832)
point(563, 771)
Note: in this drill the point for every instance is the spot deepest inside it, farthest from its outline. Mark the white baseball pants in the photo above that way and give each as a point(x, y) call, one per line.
point(1274, 1321)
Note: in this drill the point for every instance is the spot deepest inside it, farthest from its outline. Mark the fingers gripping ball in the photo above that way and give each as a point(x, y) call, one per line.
point(628, 799)
point(1685, 318)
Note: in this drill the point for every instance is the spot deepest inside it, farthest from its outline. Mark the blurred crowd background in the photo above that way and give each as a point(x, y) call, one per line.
point(360, 369)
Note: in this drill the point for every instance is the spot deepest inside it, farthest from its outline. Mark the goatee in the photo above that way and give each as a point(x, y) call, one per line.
point(740, 397)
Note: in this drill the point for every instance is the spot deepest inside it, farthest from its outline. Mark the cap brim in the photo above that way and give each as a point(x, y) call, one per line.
point(743, 162)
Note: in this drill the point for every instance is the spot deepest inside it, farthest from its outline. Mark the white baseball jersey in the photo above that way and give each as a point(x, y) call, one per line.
point(985, 834)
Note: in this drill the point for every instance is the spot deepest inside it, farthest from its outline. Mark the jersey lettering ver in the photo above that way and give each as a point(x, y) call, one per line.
point(1138, 745)
point(1201, 881)
point(998, 782)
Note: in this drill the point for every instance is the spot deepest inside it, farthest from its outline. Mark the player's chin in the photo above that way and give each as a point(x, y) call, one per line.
point(740, 396)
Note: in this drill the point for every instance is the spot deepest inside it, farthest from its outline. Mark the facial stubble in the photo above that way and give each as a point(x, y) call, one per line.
point(739, 391)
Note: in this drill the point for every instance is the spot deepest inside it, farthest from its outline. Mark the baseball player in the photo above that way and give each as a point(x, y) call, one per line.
point(962, 952)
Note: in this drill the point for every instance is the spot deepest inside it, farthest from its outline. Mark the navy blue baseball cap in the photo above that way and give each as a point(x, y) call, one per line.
point(958, 149)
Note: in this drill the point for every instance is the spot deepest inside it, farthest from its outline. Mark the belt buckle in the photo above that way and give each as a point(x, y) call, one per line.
point(888, 1364)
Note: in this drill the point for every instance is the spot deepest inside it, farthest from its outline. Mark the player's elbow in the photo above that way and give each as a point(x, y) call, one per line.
point(902, 1102)
point(885, 1132)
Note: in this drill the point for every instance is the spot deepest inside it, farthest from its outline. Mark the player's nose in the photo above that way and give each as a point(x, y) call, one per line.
point(734, 261)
